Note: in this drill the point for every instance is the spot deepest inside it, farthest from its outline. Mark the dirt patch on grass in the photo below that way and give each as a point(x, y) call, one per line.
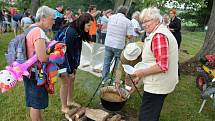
point(189, 67)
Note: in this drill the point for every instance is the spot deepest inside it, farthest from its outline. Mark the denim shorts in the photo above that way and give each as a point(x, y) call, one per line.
point(35, 96)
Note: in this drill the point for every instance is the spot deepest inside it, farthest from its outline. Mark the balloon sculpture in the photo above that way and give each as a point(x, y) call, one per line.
point(14, 72)
point(56, 57)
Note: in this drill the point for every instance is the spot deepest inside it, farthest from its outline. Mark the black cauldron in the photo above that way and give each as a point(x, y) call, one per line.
point(111, 100)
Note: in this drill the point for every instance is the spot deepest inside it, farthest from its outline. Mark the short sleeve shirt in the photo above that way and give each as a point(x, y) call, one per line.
point(118, 27)
point(35, 34)
point(26, 20)
point(135, 25)
point(104, 22)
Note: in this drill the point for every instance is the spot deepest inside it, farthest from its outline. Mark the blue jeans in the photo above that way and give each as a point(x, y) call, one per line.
point(103, 35)
point(110, 53)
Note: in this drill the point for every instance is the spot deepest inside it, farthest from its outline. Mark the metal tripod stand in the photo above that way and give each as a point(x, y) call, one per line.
point(100, 83)
point(114, 61)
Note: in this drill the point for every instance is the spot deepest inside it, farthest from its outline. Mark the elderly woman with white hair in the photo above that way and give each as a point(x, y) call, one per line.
point(160, 53)
point(36, 41)
point(136, 24)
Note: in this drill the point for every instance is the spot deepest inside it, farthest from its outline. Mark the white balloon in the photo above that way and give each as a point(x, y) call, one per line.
point(6, 79)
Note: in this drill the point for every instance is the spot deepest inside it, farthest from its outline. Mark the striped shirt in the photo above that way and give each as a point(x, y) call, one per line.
point(118, 27)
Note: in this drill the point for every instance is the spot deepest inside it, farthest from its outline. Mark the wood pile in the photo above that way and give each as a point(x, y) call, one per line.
point(83, 114)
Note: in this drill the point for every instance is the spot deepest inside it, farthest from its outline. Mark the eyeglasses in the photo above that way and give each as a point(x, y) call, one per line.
point(146, 21)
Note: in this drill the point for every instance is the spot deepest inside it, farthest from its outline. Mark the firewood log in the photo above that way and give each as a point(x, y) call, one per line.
point(116, 118)
point(96, 114)
point(80, 113)
point(71, 113)
point(83, 118)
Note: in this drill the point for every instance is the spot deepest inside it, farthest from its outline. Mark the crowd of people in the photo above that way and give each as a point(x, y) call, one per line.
point(13, 20)
point(153, 40)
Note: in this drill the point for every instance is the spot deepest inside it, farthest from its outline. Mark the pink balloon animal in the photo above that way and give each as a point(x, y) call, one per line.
point(14, 72)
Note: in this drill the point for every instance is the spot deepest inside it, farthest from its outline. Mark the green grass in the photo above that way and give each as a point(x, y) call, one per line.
point(181, 105)
point(192, 43)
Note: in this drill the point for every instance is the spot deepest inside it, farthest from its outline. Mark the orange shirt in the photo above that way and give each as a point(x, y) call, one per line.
point(92, 30)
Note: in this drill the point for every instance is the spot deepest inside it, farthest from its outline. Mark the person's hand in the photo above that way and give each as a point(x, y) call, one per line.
point(129, 77)
point(139, 73)
point(117, 84)
point(136, 80)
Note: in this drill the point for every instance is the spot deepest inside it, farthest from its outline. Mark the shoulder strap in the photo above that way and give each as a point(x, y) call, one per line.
point(25, 41)
point(29, 29)
point(64, 39)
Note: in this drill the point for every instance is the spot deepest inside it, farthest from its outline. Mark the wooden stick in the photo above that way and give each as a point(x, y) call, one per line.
point(67, 117)
point(72, 112)
point(80, 113)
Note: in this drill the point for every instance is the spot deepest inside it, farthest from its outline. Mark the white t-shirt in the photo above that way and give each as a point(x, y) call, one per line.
point(135, 25)
point(26, 22)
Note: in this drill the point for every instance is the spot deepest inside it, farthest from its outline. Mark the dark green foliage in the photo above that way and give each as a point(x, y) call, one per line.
point(203, 14)
point(200, 16)
point(83, 4)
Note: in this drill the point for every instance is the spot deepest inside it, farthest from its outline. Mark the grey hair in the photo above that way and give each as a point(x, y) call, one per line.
point(122, 9)
point(44, 12)
point(151, 12)
point(166, 16)
point(135, 14)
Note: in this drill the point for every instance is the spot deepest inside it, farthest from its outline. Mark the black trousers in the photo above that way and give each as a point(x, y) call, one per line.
point(151, 106)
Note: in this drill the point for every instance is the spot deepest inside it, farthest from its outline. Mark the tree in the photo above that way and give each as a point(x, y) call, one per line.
point(35, 4)
point(209, 43)
point(204, 12)
point(122, 2)
point(23, 4)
